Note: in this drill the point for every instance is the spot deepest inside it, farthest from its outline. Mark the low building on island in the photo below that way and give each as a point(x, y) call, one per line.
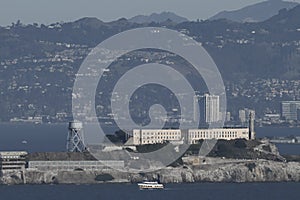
point(194, 135)
point(12, 161)
point(67, 165)
point(190, 136)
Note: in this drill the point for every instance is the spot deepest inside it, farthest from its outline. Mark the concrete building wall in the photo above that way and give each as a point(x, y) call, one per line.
point(12, 160)
point(73, 165)
point(155, 136)
point(141, 137)
point(289, 110)
point(195, 135)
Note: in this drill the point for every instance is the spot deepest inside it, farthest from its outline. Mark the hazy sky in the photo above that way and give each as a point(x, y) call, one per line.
point(48, 11)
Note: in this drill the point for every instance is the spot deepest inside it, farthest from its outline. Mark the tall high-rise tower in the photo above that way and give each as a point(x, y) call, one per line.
point(75, 140)
point(196, 108)
point(289, 110)
point(209, 108)
point(244, 115)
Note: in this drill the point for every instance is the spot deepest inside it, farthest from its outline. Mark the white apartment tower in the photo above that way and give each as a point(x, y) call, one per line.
point(209, 108)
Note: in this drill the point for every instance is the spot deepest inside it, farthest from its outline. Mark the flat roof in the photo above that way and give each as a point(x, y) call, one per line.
point(13, 153)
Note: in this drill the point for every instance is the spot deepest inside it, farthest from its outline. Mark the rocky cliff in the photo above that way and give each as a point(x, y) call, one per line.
point(237, 171)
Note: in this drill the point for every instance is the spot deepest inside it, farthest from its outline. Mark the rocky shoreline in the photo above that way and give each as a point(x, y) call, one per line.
point(239, 171)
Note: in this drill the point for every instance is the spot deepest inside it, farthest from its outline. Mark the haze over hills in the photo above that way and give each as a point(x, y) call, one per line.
point(38, 63)
point(257, 12)
point(220, 37)
point(157, 18)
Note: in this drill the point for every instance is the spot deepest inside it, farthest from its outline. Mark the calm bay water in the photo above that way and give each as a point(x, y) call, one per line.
point(39, 137)
point(277, 131)
point(205, 191)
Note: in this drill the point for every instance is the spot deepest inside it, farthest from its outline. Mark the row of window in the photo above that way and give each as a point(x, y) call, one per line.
point(218, 132)
point(161, 137)
point(73, 167)
point(74, 163)
point(161, 133)
point(152, 142)
point(214, 135)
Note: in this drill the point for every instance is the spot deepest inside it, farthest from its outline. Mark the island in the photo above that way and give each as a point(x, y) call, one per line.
point(236, 160)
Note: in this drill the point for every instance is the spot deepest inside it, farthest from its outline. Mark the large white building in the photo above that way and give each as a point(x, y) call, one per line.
point(191, 136)
point(155, 136)
point(194, 135)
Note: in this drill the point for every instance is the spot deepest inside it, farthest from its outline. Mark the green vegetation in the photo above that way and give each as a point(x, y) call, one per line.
point(251, 166)
point(235, 149)
point(267, 148)
point(177, 163)
point(118, 138)
point(104, 177)
point(59, 156)
point(150, 147)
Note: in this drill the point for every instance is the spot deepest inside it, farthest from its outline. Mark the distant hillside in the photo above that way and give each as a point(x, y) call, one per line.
point(92, 22)
point(285, 20)
point(38, 63)
point(157, 18)
point(257, 12)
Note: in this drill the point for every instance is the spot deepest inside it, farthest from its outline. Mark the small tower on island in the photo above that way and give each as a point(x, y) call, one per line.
point(252, 134)
point(75, 140)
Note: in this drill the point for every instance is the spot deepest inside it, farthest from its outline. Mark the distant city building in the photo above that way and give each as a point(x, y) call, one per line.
point(272, 116)
point(36, 120)
point(290, 110)
point(244, 115)
point(196, 108)
point(228, 117)
point(209, 108)
point(61, 115)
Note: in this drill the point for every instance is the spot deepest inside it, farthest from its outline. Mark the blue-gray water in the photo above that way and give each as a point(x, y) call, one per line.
point(277, 131)
point(203, 191)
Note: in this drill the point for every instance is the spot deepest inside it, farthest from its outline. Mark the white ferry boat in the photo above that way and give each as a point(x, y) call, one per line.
point(147, 185)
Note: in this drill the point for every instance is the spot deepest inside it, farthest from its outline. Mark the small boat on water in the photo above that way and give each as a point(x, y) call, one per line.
point(147, 185)
point(24, 142)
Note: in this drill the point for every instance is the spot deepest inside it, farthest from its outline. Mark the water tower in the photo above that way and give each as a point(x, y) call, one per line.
point(75, 141)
